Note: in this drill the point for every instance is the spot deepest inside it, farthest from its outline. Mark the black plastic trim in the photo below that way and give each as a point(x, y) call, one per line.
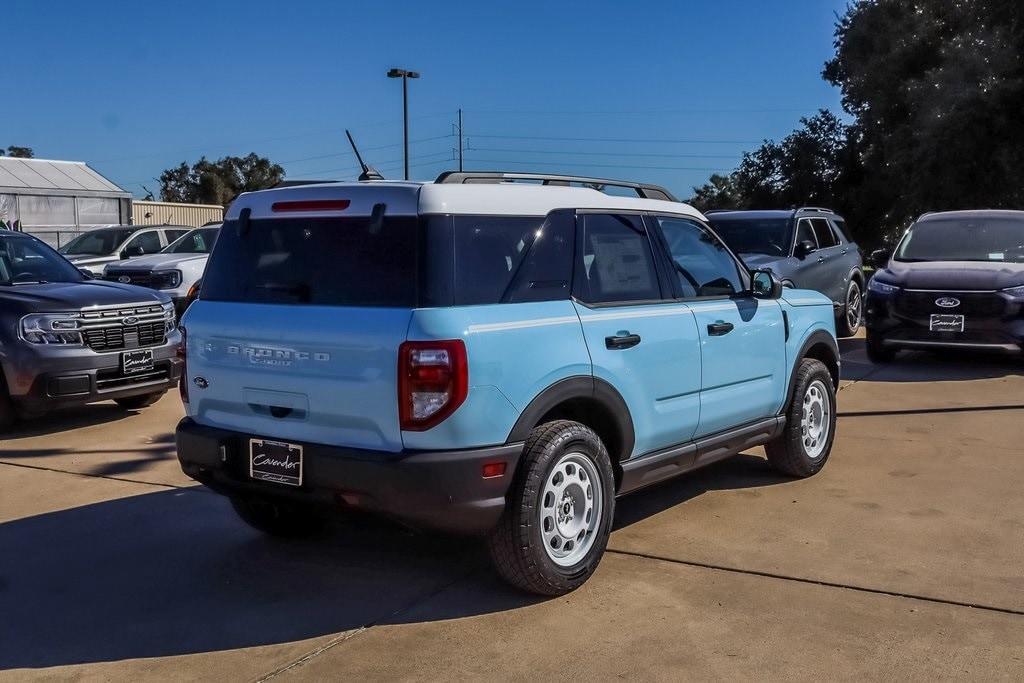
point(817, 337)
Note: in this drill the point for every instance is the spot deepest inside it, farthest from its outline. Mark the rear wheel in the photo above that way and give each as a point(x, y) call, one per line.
point(850, 320)
point(136, 402)
point(806, 442)
point(276, 518)
point(878, 353)
point(559, 513)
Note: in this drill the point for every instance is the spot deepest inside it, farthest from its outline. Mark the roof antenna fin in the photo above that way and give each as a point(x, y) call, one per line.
point(369, 172)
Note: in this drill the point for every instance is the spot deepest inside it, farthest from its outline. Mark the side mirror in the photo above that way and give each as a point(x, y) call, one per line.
point(86, 273)
point(133, 251)
point(766, 285)
point(805, 247)
point(880, 258)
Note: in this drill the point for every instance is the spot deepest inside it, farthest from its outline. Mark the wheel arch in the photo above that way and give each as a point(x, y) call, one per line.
point(819, 345)
point(588, 400)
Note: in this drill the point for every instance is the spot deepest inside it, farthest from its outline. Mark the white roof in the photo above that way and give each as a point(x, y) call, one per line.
point(45, 176)
point(402, 198)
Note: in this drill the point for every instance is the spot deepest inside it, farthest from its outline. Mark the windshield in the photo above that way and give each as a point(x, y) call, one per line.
point(199, 241)
point(996, 239)
point(96, 242)
point(769, 236)
point(26, 260)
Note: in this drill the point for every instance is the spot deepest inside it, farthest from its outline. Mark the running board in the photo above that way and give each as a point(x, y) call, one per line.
point(652, 468)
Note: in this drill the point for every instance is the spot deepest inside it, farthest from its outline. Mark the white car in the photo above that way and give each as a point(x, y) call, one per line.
point(94, 249)
point(174, 270)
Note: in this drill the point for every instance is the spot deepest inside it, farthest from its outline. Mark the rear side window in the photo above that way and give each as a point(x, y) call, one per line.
point(823, 231)
point(840, 226)
point(616, 263)
point(354, 261)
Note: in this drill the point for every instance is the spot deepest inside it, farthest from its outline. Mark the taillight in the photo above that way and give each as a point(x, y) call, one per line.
point(433, 379)
point(183, 355)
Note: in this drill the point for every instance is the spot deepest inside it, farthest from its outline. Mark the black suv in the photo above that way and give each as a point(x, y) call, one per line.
point(67, 339)
point(808, 248)
point(956, 280)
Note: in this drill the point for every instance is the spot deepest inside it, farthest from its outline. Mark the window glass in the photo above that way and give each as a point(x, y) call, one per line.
point(356, 261)
point(98, 211)
point(703, 265)
point(148, 241)
point(195, 242)
point(804, 233)
point(823, 231)
point(617, 261)
point(26, 260)
point(174, 234)
point(840, 226)
point(489, 251)
point(755, 235)
point(96, 242)
point(39, 211)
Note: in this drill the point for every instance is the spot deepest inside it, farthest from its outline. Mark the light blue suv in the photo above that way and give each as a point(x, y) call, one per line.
point(490, 358)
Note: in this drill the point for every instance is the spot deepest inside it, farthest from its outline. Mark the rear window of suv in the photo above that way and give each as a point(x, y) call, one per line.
point(316, 261)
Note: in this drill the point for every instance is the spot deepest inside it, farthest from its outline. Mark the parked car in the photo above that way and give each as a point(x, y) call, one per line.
point(66, 339)
point(955, 281)
point(96, 248)
point(174, 270)
point(496, 359)
point(809, 248)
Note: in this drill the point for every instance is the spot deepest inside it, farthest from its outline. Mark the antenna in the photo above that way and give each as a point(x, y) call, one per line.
point(369, 172)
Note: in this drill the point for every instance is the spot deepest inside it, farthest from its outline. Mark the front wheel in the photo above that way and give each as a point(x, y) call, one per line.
point(849, 322)
point(559, 513)
point(806, 442)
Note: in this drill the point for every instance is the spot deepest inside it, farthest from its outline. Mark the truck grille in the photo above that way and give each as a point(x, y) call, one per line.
point(919, 303)
point(124, 328)
point(142, 278)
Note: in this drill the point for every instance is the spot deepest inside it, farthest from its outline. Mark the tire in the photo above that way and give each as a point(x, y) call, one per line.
point(276, 518)
point(549, 541)
point(853, 311)
point(877, 353)
point(137, 402)
point(806, 442)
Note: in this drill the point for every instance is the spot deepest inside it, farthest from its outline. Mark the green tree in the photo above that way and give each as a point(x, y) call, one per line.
point(19, 152)
point(218, 182)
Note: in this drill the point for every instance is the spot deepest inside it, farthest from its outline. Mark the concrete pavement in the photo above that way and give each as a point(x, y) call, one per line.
point(902, 559)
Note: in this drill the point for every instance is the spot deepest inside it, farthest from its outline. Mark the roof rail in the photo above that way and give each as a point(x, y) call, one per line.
point(813, 208)
point(643, 190)
point(718, 211)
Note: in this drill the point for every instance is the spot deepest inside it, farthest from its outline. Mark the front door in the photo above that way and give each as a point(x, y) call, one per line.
point(742, 339)
point(641, 341)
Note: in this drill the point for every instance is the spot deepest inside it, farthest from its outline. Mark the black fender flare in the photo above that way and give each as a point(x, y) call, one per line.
point(819, 338)
point(586, 387)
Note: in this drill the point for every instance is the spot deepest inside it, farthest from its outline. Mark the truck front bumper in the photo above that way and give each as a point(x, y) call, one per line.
point(442, 490)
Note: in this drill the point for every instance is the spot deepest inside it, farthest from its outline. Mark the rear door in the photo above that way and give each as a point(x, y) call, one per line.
point(641, 341)
point(742, 339)
point(298, 328)
point(830, 259)
point(807, 273)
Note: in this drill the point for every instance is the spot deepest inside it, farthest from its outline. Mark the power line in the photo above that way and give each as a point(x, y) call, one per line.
point(365, 149)
point(653, 140)
point(503, 162)
point(614, 154)
point(626, 112)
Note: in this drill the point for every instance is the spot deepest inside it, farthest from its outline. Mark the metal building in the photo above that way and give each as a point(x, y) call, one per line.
point(161, 213)
point(55, 200)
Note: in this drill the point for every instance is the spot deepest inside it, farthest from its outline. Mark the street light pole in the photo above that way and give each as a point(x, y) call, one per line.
point(405, 75)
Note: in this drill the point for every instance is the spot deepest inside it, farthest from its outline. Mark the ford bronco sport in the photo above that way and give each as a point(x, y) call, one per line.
point(501, 359)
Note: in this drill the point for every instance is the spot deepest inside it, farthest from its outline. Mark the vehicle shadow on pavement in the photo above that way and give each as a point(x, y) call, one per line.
point(176, 572)
point(65, 419)
point(920, 366)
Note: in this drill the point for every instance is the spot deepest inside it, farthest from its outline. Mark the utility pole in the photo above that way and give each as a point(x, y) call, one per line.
point(405, 75)
point(460, 139)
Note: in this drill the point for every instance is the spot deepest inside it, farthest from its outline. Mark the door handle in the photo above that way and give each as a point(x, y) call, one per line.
point(719, 328)
point(621, 341)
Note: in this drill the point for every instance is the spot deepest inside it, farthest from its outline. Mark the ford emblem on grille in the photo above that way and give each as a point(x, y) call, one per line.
point(131, 320)
point(124, 279)
point(947, 302)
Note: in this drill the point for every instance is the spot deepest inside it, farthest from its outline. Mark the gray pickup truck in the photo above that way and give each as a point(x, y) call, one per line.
point(66, 339)
point(808, 248)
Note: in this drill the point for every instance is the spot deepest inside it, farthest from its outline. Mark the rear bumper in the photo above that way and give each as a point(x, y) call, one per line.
point(441, 490)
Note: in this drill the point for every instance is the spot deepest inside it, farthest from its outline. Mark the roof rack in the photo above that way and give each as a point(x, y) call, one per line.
point(814, 208)
point(643, 190)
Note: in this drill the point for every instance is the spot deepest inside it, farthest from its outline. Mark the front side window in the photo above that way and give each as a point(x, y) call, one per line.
point(617, 263)
point(805, 233)
point(146, 243)
point(704, 267)
point(25, 260)
point(823, 232)
point(964, 239)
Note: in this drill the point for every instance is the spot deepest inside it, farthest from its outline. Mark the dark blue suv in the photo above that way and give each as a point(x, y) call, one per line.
point(807, 248)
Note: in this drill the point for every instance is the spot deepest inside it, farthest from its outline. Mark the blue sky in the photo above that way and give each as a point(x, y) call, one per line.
point(667, 92)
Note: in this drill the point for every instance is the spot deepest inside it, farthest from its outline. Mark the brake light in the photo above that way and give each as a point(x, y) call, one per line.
point(311, 205)
point(433, 380)
point(183, 355)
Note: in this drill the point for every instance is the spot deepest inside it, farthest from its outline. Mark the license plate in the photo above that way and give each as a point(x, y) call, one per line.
point(275, 461)
point(946, 322)
point(140, 360)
